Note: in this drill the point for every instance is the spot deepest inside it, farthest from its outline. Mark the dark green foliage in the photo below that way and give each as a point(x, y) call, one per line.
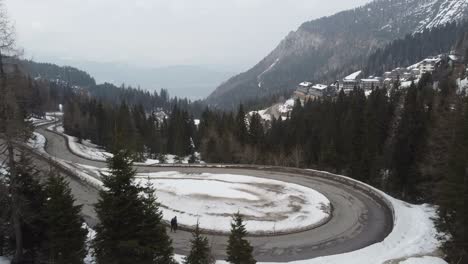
point(410, 141)
point(130, 228)
point(32, 203)
point(113, 95)
point(52, 72)
point(180, 132)
point(30, 199)
point(346, 134)
point(239, 250)
point(65, 235)
point(200, 252)
point(119, 210)
point(414, 47)
point(452, 189)
point(256, 133)
point(130, 127)
point(153, 235)
point(241, 127)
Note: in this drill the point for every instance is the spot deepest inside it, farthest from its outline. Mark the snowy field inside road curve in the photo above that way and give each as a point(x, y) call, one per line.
point(268, 206)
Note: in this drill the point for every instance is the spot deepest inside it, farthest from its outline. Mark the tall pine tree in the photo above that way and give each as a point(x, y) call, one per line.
point(65, 235)
point(239, 250)
point(200, 252)
point(130, 228)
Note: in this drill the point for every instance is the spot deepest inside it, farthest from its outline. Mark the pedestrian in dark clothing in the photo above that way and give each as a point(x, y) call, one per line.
point(174, 224)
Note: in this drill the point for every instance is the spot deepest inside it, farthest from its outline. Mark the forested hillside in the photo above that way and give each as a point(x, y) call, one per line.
point(416, 47)
point(51, 72)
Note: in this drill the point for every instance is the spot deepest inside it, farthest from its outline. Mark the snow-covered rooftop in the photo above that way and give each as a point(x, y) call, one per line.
point(370, 80)
point(319, 86)
point(454, 57)
point(432, 60)
point(353, 76)
point(306, 84)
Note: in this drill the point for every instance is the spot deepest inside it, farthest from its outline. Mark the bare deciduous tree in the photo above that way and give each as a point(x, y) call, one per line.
point(7, 36)
point(13, 127)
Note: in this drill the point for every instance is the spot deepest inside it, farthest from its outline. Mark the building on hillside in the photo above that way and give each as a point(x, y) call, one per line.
point(302, 91)
point(429, 64)
point(416, 73)
point(318, 90)
point(349, 82)
point(348, 85)
point(370, 83)
point(396, 74)
point(307, 90)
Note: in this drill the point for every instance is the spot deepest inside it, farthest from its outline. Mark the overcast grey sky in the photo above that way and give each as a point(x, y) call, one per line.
point(161, 32)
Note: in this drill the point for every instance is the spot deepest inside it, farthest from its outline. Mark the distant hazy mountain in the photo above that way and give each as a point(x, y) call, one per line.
point(325, 48)
point(194, 82)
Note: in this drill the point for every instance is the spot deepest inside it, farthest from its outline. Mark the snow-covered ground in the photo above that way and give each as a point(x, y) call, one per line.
point(3, 170)
point(49, 117)
point(414, 237)
point(424, 260)
point(414, 240)
point(41, 121)
point(287, 106)
point(277, 110)
point(37, 141)
point(85, 148)
point(269, 206)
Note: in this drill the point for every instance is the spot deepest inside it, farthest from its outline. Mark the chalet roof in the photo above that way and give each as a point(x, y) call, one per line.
point(305, 84)
point(370, 80)
point(353, 76)
point(319, 86)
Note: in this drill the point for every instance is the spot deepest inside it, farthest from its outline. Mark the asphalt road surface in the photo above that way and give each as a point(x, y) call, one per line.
point(359, 219)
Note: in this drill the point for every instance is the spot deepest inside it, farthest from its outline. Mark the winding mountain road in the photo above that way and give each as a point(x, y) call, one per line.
point(360, 218)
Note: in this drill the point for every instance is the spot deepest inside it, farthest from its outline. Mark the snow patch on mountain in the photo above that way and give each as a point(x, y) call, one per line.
point(440, 12)
point(259, 77)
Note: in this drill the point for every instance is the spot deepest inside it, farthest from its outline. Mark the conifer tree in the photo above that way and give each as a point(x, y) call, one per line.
point(31, 201)
point(241, 127)
point(239, 250)
point(154, 240)
point(130, 228)
point(200, 252)
point(410, 138)
point(65, 235)
point(119, 210)
point(13, 129)
point(452, 191)
point(359, 160)
point(256, 130)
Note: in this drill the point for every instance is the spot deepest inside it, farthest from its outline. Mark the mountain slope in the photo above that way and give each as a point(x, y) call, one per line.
point(322, 49)
point(53, 72)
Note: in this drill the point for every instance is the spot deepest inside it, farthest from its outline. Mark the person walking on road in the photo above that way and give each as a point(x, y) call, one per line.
point(174, 224)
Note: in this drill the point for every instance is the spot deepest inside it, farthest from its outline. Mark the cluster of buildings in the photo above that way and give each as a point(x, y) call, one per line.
point(308, 90)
